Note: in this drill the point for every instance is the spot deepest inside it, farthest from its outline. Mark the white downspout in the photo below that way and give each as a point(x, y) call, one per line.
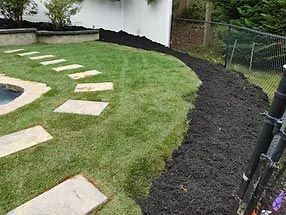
point(122, 15)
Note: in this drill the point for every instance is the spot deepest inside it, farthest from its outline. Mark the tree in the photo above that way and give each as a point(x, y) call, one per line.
point(60, 11)
point(265, 15)
point(14, 9)
point(268, 15)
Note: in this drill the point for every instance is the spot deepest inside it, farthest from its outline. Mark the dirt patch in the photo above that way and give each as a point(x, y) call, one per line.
point(46, 26)
point(205, 171)
point(187, 36)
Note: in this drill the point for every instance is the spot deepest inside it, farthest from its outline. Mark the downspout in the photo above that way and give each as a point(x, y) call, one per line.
point(170, 25)
point(122, 15)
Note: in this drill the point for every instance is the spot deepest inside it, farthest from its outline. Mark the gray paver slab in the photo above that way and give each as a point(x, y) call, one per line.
point(45, 63)
point(13, 51)
point(68, 67)
point(82, 107)
point(28, 53)
point(93, 87)
point(85, 74)
point(21, 140)
point(75, 196)
point(42, 57)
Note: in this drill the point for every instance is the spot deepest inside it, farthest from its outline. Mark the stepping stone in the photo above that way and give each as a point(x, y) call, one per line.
point(45, 63)
point(13, 51)
point(28, 53)
point(24, 139)
point(82, 107)
point(68, 67)
point(93, 87)
point(41, 57)
point(75, 196)
point(85, 74)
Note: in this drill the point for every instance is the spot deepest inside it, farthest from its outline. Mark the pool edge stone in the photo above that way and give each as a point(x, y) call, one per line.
point(31, 92)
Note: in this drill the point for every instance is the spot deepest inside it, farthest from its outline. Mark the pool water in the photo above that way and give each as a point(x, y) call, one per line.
point(7, 95)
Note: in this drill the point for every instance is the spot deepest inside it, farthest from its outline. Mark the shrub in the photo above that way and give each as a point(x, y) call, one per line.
point(60, 11)
point(265, 15)
point(195, 11)
point(150, 1)
point(14, 9)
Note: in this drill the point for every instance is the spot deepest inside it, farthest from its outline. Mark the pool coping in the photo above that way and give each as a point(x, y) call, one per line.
point(18, 31)
point(31, 92)
point(27, 36)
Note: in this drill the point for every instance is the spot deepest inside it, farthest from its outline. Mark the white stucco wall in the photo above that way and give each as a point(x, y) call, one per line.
point(152, 21)
point(132, 16)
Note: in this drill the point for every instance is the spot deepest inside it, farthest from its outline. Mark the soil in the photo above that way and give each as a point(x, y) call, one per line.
point(4, 24)
point(187, 36)
point(205, 171)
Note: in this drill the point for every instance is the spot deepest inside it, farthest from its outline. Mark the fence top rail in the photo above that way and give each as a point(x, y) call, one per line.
point(234, 26)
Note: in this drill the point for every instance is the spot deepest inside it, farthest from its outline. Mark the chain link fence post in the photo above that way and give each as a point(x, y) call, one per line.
point(227, 46)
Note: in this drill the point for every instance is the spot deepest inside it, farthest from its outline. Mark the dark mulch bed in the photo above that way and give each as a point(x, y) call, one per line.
point(4, 24)
point(205, 171)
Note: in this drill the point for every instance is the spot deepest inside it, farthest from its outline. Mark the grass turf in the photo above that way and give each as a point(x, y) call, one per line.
point(121, 150)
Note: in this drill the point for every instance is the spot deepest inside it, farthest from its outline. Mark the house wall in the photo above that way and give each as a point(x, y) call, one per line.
point(152, 21)
point(132, 16)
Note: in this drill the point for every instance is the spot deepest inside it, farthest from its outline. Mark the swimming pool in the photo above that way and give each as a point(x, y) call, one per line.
point(7, 95)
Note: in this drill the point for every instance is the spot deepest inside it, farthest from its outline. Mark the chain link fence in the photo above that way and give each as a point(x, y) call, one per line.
point(259, 56)
point(274, 199)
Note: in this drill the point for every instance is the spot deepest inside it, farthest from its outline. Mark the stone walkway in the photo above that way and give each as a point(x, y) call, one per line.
point(94, 87)
point(13, 51)
point(28, 53)
point(75, 196)
point(82, 107)
point(68, 67)
point(85, 74)
point(41, 57)
point(51, 62)
point(21, 140)
point(73, 106)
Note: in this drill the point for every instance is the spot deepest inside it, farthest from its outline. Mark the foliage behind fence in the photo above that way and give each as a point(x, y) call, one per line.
point(259, 56)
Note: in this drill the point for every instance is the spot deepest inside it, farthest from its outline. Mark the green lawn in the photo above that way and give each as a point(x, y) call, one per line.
point(121, 150)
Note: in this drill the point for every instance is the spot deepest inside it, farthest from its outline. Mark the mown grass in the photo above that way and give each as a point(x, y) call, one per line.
point(121, 150)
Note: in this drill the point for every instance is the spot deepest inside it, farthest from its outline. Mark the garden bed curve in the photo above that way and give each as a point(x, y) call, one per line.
point(205, 171)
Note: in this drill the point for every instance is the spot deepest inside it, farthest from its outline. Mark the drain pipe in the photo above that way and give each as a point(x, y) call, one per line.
point(275, 113)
